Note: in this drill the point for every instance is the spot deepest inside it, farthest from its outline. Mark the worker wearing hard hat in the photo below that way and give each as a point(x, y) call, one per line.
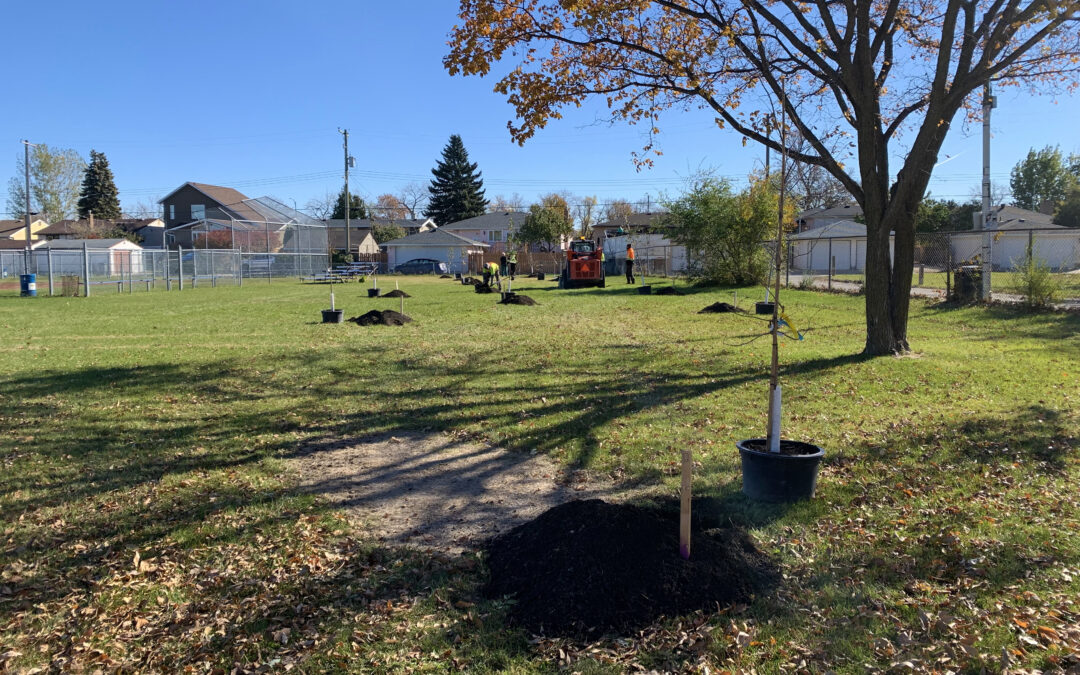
point(491, 271)
point(630, 264)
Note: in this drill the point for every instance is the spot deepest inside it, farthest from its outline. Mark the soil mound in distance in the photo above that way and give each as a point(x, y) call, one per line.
point(445, 276)
point(470, 281)
point(386, 317)
point(483, 288)
point(668, 290)
point(515, 299)
point(396, 293)
point(585, 568)
point(720, 308)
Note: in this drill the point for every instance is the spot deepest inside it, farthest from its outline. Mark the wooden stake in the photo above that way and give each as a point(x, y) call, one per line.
point(684, 510)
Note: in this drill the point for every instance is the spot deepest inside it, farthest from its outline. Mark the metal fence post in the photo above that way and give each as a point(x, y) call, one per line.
point(48, 257)
point(213, 276)
point(180, 266)
point(948, 266)
point(830, 264)
point(86, 271)
point(131, 270)
point(194, 268)
point(240, 269)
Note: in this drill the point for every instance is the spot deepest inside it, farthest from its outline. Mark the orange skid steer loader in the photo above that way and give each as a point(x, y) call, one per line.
point(584, 265)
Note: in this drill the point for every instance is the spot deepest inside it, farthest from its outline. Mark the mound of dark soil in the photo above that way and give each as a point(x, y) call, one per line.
point(386, 317)
point(445, 276)
point(470, 281)
point(396, 293)
point(720, 308)
point(515, 299)
point(589, 567)
point(483, 288)
point(668, 290)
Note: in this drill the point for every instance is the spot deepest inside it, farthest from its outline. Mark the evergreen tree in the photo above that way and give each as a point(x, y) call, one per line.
point(457, 190)
point(357, 209)
point(98, 194)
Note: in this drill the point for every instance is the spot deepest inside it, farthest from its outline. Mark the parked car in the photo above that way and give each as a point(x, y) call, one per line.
point(422, 266)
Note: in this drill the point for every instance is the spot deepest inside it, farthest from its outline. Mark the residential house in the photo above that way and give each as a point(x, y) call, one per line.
point(360, 227)
point(492, 229)
point(634, 223)
point(447, 247)
point(15, 230)
point(198, 215)
point(149, 231)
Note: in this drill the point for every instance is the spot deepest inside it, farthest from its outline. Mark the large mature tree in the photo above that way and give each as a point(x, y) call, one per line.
point(618, 211)
point(54, 183)
point(389, 207)
point(357, 207)
point(457, 190)
point(1042, 176)
point(547, 224)
point(414, 196)
point(384, 232)
point(868, 74)
point(1068, 214)
point(98, 194)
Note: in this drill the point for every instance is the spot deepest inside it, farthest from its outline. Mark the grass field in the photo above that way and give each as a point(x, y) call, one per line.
point(150, 520)
point(1068, 284)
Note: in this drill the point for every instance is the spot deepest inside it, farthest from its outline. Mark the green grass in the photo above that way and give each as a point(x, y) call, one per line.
point(947, 523)
point(1002, 282)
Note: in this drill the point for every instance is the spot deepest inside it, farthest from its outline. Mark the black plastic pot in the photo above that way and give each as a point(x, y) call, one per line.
point(333, 315)
point(644, 290)
point(776, 477)
point(763, 308)
point(373, 292)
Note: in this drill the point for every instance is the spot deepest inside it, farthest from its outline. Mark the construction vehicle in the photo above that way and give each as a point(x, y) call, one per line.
point(584, 265)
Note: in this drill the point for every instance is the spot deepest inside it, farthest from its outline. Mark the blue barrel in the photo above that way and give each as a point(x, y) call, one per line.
point(28, 285)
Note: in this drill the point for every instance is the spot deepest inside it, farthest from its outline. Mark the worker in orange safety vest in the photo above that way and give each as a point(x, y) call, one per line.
point(630, 264)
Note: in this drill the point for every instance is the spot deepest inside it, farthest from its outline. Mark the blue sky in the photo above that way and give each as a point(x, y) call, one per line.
point(251, 94)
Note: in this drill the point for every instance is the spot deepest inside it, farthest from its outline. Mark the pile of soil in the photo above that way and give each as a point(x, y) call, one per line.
point(386, 317)
point(668, 290)
point(470, 281)
point(589, 567)
point(720, 308)
point(480, 287)
point(396, 293)
point(445, 276)
point(515, 299)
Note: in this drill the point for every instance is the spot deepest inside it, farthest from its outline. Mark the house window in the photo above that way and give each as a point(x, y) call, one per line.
point(172, 211)
point(495, 235)
point(198, 212)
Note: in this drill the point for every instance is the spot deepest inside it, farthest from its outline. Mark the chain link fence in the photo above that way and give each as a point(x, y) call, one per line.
point(86, 271)
point(1001, 265)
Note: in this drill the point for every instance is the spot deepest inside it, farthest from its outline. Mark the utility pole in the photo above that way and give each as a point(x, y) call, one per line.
point(348, 197)
point(989, 103)
point(26, 170)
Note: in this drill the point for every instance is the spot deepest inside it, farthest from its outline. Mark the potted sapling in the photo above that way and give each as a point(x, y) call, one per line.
point(776, 469)
point(332, 315)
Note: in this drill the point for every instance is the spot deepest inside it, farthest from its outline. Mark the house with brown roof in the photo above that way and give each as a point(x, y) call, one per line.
point(149, 231)
point(15, 230)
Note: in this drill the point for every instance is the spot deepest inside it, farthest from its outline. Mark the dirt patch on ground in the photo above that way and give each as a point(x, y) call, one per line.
point(386, 317)
point(431, 491)
point(515, 299)
point(483, 288)
point(668, 290)
point(397, 294)
point(720, 308)
point(445, 276)
point(469, 281)
point(590, 567)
